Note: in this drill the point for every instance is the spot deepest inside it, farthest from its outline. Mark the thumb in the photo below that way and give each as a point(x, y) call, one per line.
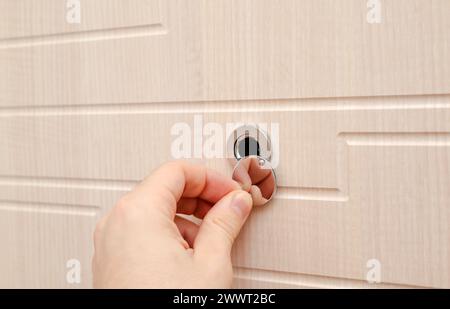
point(222, 224)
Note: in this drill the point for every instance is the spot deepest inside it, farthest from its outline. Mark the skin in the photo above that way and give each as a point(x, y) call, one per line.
point(143, 243)
point(258, 181)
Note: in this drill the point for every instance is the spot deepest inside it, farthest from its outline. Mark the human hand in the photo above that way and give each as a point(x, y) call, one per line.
point(256, 179)
point(142, 243)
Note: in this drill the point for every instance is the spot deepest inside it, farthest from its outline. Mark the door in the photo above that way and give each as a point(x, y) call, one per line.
point(358, 91)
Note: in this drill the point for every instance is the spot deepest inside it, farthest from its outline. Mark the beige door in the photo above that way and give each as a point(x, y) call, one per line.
point(360, 91)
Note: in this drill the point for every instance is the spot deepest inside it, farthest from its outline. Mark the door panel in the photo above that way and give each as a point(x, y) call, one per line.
point(226, 50)
point(27, 20)
point(363, 110)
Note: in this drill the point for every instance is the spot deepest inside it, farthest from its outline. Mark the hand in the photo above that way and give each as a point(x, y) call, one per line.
point(258, 181)
point(142, 243)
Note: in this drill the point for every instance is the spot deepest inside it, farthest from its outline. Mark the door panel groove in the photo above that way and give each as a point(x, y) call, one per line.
point(246, 277)
point(84, 36)
point(49, 208)
point(194, 107)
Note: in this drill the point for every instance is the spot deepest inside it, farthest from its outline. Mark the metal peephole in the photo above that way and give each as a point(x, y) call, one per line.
point(252, 152)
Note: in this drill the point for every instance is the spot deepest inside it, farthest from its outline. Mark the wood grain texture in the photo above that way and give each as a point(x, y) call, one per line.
point(250, 49)
point(28, 19)
point(363, 110)
point(266, 279)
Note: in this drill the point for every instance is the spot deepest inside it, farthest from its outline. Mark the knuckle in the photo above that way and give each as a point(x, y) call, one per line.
point(125, 209)
point(225, 226)
point(123, 203)
point(178, 164)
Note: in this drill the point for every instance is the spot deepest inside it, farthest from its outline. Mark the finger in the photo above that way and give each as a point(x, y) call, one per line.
point(174, 180)
point(193, 206)
point(188, 230)
point(242, 176)
point(222, 224)
point(257, 197)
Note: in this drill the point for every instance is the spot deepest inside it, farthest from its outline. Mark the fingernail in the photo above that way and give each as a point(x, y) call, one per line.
point(245, 186)
point(242, 203)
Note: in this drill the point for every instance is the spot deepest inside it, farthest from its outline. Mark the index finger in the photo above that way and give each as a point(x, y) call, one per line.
point(181, 179)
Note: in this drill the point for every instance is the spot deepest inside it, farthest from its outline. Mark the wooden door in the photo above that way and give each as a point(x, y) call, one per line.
point(360, 91)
